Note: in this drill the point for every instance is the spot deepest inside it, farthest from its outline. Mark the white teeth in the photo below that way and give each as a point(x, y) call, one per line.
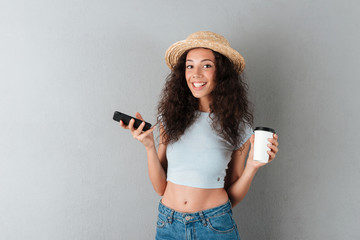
point(198, 84)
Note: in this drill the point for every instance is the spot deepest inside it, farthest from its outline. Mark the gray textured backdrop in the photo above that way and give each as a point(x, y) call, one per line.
point(67, 171)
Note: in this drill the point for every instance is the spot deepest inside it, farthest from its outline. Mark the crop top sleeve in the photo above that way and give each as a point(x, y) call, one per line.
point(200, 157)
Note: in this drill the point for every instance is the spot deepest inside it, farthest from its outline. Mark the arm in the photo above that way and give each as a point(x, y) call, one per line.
point(157, 165)
point(240, 177)
point(157, 162)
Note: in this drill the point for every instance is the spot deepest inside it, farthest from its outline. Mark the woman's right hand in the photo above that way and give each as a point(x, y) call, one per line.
point(146, 138)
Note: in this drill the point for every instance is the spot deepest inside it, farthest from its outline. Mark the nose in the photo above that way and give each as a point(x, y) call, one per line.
point(197, 73)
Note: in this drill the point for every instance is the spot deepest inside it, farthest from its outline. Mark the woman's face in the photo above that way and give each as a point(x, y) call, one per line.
point(200, 73)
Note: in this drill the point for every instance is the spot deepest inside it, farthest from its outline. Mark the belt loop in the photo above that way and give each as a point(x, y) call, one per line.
point(203, 220)
point(170, 217)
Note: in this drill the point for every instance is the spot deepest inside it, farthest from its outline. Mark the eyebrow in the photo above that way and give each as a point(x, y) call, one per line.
point(189, 60)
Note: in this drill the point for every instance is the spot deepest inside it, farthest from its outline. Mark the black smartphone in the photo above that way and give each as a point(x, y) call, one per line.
point(126, 119)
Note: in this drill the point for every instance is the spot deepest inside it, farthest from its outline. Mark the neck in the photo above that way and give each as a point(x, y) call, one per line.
point(204, 105)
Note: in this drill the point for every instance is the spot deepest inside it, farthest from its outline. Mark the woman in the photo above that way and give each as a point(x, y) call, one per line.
point(199, 168)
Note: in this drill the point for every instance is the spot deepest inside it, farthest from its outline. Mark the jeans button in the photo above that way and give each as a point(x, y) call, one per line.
point(187, 218)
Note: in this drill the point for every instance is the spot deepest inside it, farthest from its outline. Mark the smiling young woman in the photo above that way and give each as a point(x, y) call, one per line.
point(205, 135)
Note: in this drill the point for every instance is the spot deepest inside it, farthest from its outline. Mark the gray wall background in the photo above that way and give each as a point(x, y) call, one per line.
point(67, 171)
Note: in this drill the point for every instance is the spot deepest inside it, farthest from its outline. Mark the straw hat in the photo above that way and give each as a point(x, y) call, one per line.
point(204, 39)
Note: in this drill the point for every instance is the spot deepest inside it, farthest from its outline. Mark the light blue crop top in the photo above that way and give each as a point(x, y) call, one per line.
point(200, 157)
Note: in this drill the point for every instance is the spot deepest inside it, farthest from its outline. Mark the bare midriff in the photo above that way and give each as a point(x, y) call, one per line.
point(189, 199)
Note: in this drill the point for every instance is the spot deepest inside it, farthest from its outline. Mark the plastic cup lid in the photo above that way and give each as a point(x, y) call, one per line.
point(265, 129)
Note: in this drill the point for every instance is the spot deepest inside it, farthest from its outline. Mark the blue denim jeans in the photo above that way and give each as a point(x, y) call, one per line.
point(215, 223)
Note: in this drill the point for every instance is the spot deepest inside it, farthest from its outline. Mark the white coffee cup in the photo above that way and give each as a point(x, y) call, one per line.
point(262, 134)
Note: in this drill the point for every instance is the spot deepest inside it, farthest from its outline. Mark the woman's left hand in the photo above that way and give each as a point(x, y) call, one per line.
point(273, 145)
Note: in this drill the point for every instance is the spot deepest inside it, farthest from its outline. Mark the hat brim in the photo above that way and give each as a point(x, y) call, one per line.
point(174, 52)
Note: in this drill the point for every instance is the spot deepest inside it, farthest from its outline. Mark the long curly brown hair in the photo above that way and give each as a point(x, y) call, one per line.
point(230, 108)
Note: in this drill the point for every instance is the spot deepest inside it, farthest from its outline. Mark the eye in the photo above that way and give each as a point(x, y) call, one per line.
point(207, 66)
point(189, 66)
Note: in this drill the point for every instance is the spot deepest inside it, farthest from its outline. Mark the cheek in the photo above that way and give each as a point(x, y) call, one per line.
point(187, 74)
point(212, 80)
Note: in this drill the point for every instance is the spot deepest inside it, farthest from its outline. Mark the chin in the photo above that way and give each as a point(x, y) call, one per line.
point(197, 95)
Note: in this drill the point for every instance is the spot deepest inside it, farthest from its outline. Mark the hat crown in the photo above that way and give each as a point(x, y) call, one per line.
point(208, 36)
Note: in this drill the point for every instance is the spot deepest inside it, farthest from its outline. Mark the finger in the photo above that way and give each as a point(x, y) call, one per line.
point(252, 142)
point(273, 148)
point(139, 130)
point(146, 133)
point(271, 154)
point(122, 124)
point(275, 136)
point(131, 125)
point(251, 151)
point(273, 141)
point(138, 115)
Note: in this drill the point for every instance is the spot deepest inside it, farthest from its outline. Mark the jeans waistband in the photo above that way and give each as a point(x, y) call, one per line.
point(196, 216)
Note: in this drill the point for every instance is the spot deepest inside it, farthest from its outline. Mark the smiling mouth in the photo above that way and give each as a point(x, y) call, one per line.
point(198, 85)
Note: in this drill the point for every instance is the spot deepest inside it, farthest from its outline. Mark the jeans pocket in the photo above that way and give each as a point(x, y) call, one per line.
point(221, 224)
point(161, 221)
